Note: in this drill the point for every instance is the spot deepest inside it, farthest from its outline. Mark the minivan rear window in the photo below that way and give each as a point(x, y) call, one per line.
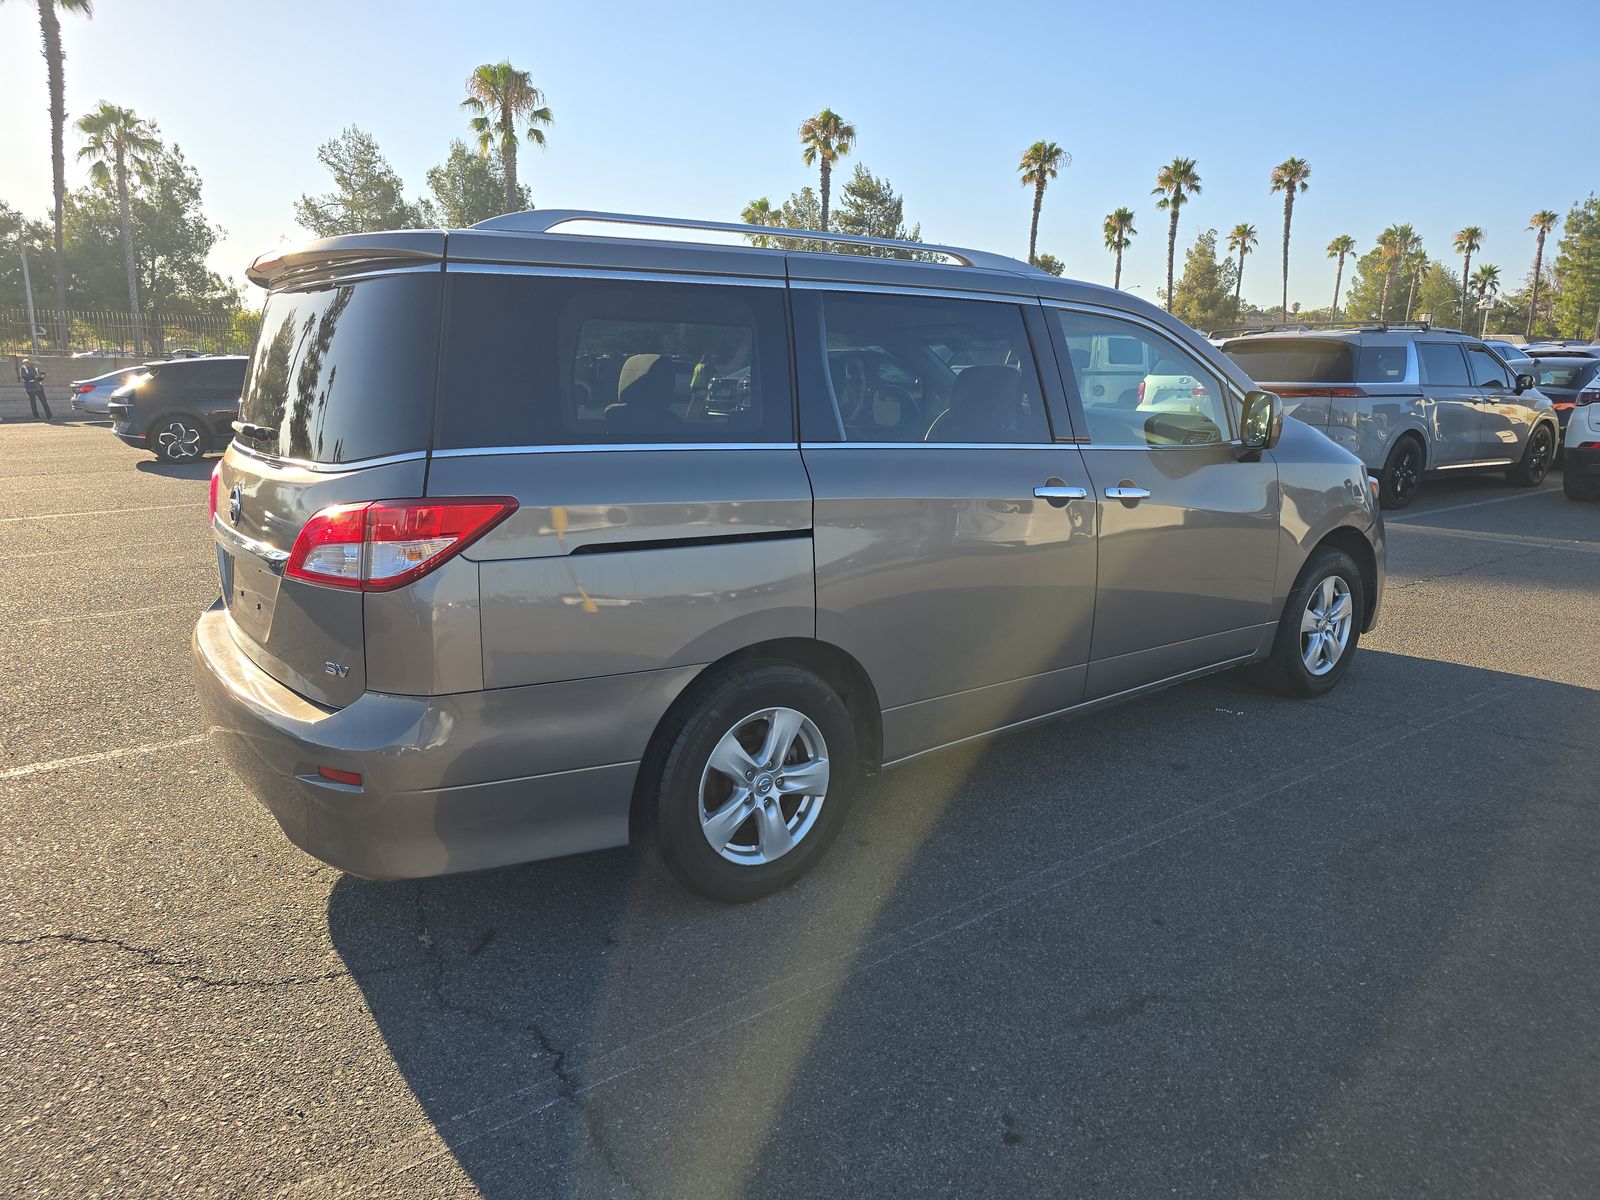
point(345, 372)
point(1294, 360)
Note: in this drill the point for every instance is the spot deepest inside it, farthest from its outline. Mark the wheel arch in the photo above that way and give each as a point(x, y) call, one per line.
point(1354, 543)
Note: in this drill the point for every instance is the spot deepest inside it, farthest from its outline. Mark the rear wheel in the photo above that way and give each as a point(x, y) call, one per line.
point(177, 438)
point(1536, 459)
point(1320, 627)
point(749, 780)
point(1402, 472)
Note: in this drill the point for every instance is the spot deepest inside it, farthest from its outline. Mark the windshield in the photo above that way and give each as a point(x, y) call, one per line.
point(344, 372)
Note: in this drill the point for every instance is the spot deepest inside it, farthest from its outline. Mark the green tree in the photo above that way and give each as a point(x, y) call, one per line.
point(1436, 294)
point(18, 233)
point(824, 139)
point(1341, 248)
point(870, 207)
point(1204, 295)
point(118, 144)
point(1468, 242)
point(1288, 177)
point(1541, 223)
point(502, 98)
point(55, 60)
point(366, 191)
point(1175, 183)
point(1415, 264)
point(1039, 165)
point(468, 188)
point(1486, 283)
point(761, 212)
point(1049, 264)
point(1241, 240)
point(1119, 233)
point(1577, 301)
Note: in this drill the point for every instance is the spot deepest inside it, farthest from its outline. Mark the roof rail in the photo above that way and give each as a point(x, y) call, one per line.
point(1300, 327)
point(543, 220)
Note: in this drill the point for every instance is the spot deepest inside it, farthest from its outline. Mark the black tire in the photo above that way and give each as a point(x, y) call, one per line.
point(1285, 670)
point(1402, 472)
point(1537, 456)
point(190, 445)
point(1577, 485)
point(668, 800)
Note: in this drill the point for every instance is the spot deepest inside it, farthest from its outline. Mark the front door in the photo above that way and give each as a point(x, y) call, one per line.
point(1506, 420)
point(1452, 403)
point(954, 538)
point(1188, 534)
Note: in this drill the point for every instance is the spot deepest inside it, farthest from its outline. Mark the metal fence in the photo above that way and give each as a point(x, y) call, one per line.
point(112, 333)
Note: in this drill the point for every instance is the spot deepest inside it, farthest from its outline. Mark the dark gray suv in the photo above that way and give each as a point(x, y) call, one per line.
point(532, 543)
point(1406, 400)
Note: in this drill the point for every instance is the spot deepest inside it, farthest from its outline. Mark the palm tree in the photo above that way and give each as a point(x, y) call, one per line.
point(1288, 177)
point(1541, 223)
point(117, 142)
point(1486, 282)
point(1416, 262)
point(1119, 232)
point(1392, 245)
point(1038, 166)
point(501, 97)
point(1468, 241)
point(826, 138)
point(761, 212)
point(1341, 248)
point(54, 63)
point(1175, 183)
point(1242, 238)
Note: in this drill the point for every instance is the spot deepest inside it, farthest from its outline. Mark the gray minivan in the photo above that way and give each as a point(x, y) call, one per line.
point(535, 543)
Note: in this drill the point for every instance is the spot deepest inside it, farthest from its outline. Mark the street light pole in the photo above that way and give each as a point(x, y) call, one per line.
point(27, 286)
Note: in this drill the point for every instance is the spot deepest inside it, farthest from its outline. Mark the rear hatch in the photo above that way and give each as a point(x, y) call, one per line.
point(337, 409)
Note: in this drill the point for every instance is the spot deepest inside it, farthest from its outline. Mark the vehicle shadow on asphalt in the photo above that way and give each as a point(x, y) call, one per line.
point(199, 469)
point(1213, 937)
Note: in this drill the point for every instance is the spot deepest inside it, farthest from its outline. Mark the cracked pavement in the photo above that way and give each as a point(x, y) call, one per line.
point(1212, 944)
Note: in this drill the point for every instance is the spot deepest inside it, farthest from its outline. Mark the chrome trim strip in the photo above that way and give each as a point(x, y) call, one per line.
point(1482, 462)
point(609, 448)
point(271, 555)
point(1122, 446)
point(274, 460)
point(938, 446)
point(890, 289)
point(470, 267)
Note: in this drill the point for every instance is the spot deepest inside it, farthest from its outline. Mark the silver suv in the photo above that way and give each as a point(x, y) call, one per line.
point(1407, 400)
point(532, 544)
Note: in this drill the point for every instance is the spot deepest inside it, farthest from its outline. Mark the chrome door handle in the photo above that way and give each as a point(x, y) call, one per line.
point(1050, 491)
point(1127, 493)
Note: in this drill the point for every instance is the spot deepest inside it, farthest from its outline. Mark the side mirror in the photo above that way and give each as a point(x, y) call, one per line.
point(1524, 382)
point(1260, 424)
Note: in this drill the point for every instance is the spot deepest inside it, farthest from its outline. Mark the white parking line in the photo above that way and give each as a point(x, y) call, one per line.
point(79, 760)
point(1434, 512)
point(1510, 539)
point(97, 512)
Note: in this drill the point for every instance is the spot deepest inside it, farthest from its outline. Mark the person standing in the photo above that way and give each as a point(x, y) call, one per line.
point(33, 384)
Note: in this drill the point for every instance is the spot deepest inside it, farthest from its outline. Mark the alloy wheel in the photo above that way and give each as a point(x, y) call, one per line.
point(1539, 455)
point(179, 441)
point(1403, 475)
point(1325, 625)
point(763, 786)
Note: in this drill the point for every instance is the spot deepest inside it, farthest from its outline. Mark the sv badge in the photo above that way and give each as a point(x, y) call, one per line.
point(338, 670)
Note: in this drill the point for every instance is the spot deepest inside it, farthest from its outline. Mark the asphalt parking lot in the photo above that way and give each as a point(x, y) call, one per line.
point(1214, 944)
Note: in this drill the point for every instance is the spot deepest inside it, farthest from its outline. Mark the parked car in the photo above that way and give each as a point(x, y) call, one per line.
point(476, 612)
point(1513, 356)
point(92, 395)
point(1563, 378)
point(1580, 478)
point(1408, 400)
point(179, 411)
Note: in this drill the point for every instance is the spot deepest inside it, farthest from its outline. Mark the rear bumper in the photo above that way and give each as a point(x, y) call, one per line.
point(449, 783)
point(1582, 462)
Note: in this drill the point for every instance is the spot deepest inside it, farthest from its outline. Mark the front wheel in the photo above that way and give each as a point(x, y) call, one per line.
point(749, 780)
point(1402, 472)
point(178, 438)
point(1320, 627)
point(1536, 459)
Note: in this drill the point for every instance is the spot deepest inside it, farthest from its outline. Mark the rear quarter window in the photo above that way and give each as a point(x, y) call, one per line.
point(345, 371)
point(1294, 360)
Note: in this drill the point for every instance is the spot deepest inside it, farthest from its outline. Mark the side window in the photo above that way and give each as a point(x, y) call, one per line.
point(1442, 365)
point(541, 361)
point(1487, 370)
point(1382, 364)
point(1138, 388)
point(922, 369)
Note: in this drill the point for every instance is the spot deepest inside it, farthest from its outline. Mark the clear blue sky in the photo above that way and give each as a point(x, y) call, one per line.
point(690, 108)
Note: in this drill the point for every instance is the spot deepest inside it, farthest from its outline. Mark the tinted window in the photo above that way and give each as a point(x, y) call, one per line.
point(1382, 364)
point(1564, 375)
point(542, 361)
point(1166, 397)
point(1441, 363)
point(345, 372)
point(1487, 370)
point(919, 369)
point(1294, 360)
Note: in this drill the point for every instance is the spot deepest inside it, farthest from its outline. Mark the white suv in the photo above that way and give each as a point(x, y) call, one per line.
point(1581, 476)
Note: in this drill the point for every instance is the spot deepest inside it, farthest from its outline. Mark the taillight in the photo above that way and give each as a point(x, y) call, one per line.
point(216, 482)
point(84, 387)
point(385, 544)
point(1141, 391)
point(1592, 396)
point(1346, 393)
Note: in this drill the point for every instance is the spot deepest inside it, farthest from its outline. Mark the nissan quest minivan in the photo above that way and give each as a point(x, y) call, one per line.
point(534, 543)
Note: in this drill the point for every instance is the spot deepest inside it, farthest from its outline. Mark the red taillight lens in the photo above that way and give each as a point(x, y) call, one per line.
point(84, 387)
point(348, 778)
point(216, 482)
point(385, 544)
point(1592, 396)
point(1141, 391)
point(1348, 393)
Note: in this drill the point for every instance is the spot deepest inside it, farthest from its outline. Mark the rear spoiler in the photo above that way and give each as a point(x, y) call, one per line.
point(345, 253)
